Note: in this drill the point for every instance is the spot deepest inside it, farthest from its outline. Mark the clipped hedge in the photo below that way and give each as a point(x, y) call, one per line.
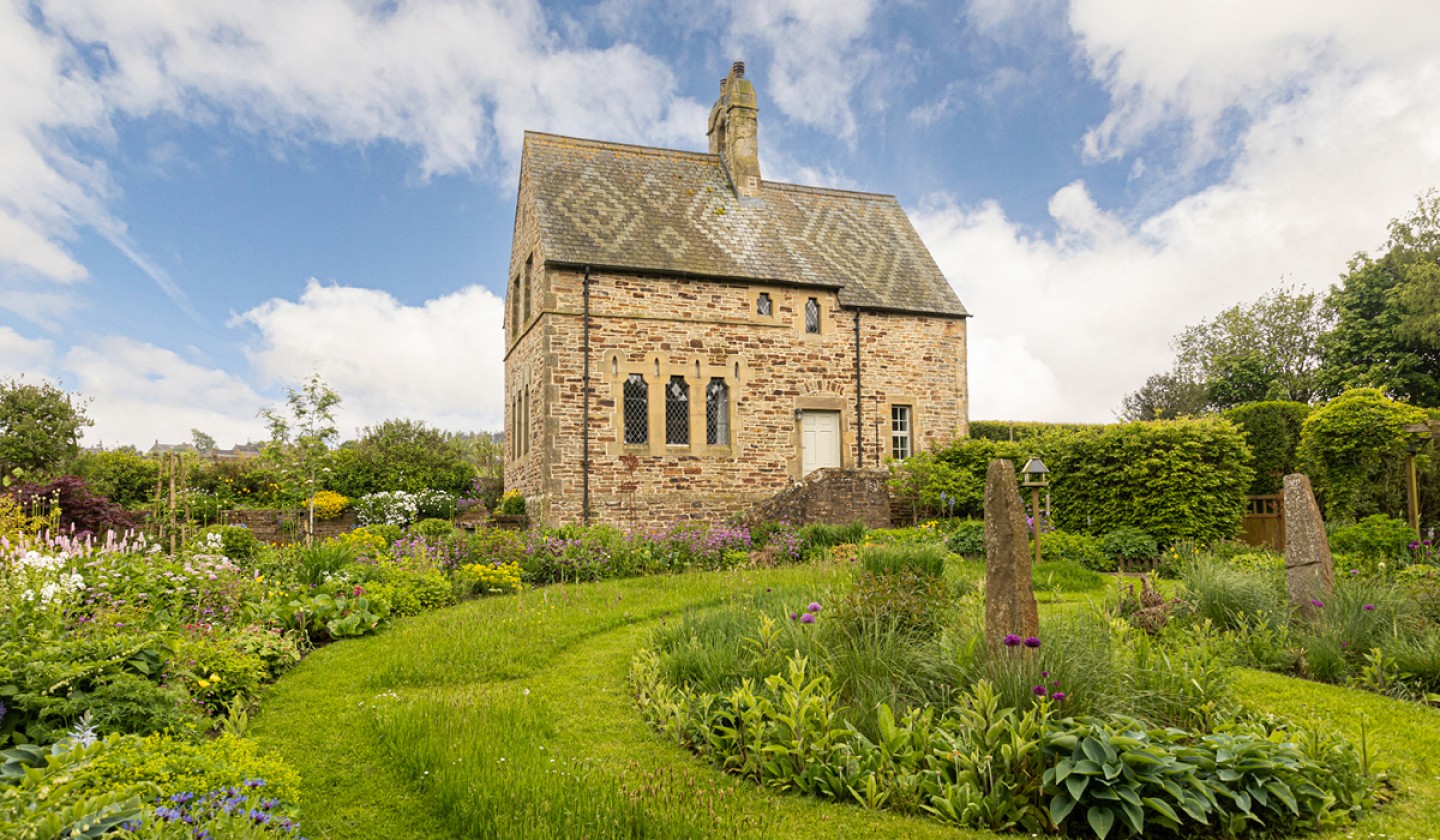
point(1353, 447)
point(1018, 432)
point(1272, 429)
point(1173, 479)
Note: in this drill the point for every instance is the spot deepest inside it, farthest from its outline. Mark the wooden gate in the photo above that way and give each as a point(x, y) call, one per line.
point(1264, 524)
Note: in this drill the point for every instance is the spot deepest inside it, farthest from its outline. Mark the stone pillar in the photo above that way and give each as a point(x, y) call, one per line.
point(1009, 596)
point(1309, 569)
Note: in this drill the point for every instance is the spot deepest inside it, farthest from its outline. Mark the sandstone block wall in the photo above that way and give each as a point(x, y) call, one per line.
point(287, 526)
point(699, 329)
point(834, 496)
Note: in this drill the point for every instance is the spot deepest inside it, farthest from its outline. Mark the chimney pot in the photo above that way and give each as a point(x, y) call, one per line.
point(723, 83)
point(738, 68)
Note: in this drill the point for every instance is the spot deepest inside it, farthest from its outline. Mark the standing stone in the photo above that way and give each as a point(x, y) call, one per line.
point(1309, 569)
point(1009, 596)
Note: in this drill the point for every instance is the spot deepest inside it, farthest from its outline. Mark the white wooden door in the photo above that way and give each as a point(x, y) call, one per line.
point(820, 440)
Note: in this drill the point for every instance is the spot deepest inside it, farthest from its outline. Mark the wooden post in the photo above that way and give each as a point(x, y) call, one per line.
point(1413, 496)
point(170, 459)
point(1035, 520)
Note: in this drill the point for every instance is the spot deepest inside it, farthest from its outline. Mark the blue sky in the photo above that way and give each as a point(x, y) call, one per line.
point(203, 202)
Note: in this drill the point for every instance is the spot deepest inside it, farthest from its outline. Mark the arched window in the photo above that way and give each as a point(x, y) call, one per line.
point(677, 412)
point(717, 413)
point(637, 409)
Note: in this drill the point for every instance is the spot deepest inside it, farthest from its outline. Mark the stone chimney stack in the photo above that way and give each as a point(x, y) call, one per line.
point(734, 132)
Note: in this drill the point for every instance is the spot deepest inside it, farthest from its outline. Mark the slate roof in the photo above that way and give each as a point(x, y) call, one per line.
point(615, 206)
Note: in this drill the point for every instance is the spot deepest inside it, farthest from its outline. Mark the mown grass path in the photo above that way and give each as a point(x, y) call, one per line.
point(442, 725)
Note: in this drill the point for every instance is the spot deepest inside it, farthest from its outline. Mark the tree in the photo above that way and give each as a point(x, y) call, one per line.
point(402, 455)
point(1353, 447)
point(202, 442)
point(1387, 314)
point(1268, 350)
point(40, 426)
point(302, 433)
point(1165, 396)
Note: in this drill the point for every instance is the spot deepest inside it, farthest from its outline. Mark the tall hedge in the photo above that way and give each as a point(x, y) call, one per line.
point(1353, 447)
point(1021, 431)
point(1173, 479)
point(1272, 429)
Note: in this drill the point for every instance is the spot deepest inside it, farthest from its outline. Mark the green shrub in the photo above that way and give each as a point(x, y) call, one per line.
point(1082, 549)
point(1129, 545)
point(1018, 432)
point(215, 670)
point(316, 563)
point(1376, 537)
point(967, 538)
point(819, 535)
point(389, 533)
point(924, 559)
point(177, 765)
point(126, 478)
point(1353, 447)
point(1174, 479)
point(433, 528)
point(386, 508)
point(434, 504)
point(239, 544)
point(1272, 429)
point(910, 600)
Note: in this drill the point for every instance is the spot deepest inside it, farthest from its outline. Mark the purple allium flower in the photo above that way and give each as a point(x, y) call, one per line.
point(1045, 674)
point(1032, 642)
point(1344, 644)
point(814, 606)
point(1058, 696)
point(1316, 602)
point(1368, 608)
point(1011, 640)
point(807, 618)
point(1414, 544)
point(1039, 690)
point(794, 616)
point(1354, 571)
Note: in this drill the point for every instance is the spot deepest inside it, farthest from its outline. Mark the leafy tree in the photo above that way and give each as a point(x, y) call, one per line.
point(1265, 351)
point(402, 455)
point(1272, 429)
point(123, 476)
point(202, 442)
point(302, 432)
point(1353, 447)
point(1165, 396)
point(40, 426)
point(1387, 314)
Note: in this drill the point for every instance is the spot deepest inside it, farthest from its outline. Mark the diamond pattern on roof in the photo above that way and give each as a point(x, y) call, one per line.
point(634, 207)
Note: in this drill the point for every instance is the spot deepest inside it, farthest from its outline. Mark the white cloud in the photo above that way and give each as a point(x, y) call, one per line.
point(456, 81)
point(441, 361)
point(18, 353)
point(819, 56)
point(140, 393)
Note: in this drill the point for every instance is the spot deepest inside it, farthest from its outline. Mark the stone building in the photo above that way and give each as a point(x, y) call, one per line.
point(704, 338)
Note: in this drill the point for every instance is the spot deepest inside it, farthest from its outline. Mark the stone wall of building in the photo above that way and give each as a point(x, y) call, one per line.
point(834, 496)
point(701, 330)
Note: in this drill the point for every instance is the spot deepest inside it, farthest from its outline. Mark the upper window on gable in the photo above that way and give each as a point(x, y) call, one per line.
point(763, 305)
point(812, 315)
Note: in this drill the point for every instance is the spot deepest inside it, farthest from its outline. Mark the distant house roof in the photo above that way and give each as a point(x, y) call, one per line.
point(620, 207)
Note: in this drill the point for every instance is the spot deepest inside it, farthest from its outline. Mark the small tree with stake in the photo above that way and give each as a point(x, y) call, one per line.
point(302, 432)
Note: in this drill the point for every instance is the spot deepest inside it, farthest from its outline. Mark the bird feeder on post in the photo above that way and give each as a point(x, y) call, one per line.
point(1035, 473)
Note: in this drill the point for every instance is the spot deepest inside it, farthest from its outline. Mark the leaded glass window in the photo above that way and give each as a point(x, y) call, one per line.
point(812, 315)
point(677, 412)
point(900, 432)
point(717, 413)
point(763, 304)
point(637, 409)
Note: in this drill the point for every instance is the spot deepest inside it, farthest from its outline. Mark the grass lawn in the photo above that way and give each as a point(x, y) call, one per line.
point(511, 717)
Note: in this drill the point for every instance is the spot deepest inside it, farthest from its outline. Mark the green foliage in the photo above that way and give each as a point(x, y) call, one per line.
point(1166, 396)
point(1173, 479)
point(40, 426)
point(512, 503)
point(388, 507)
point(1352, 447)
point(924, 559)
point(909, 600)
point(1082, 549)
point(1272, 430)
point(434, 504)
point(176, 764)
point(215, 670)
point(435, 528)
point(1019, 432)
point(301, 434)
point(237, 542)
point(936, 486)
point(402, 455)
point(123, 476)
point(1376, 537)
point(967, 538)
point(45, 800)
point(1129, 545)
point(1384, 313)
point(1231, 596)
point(818, 536)
point(1064, 576)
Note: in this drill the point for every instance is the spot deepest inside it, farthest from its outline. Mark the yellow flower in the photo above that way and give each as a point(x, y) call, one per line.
point(214, 678)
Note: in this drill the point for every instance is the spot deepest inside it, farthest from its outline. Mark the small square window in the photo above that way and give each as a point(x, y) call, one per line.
point(763, 305)
point(900, 432)
point(812, 316)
